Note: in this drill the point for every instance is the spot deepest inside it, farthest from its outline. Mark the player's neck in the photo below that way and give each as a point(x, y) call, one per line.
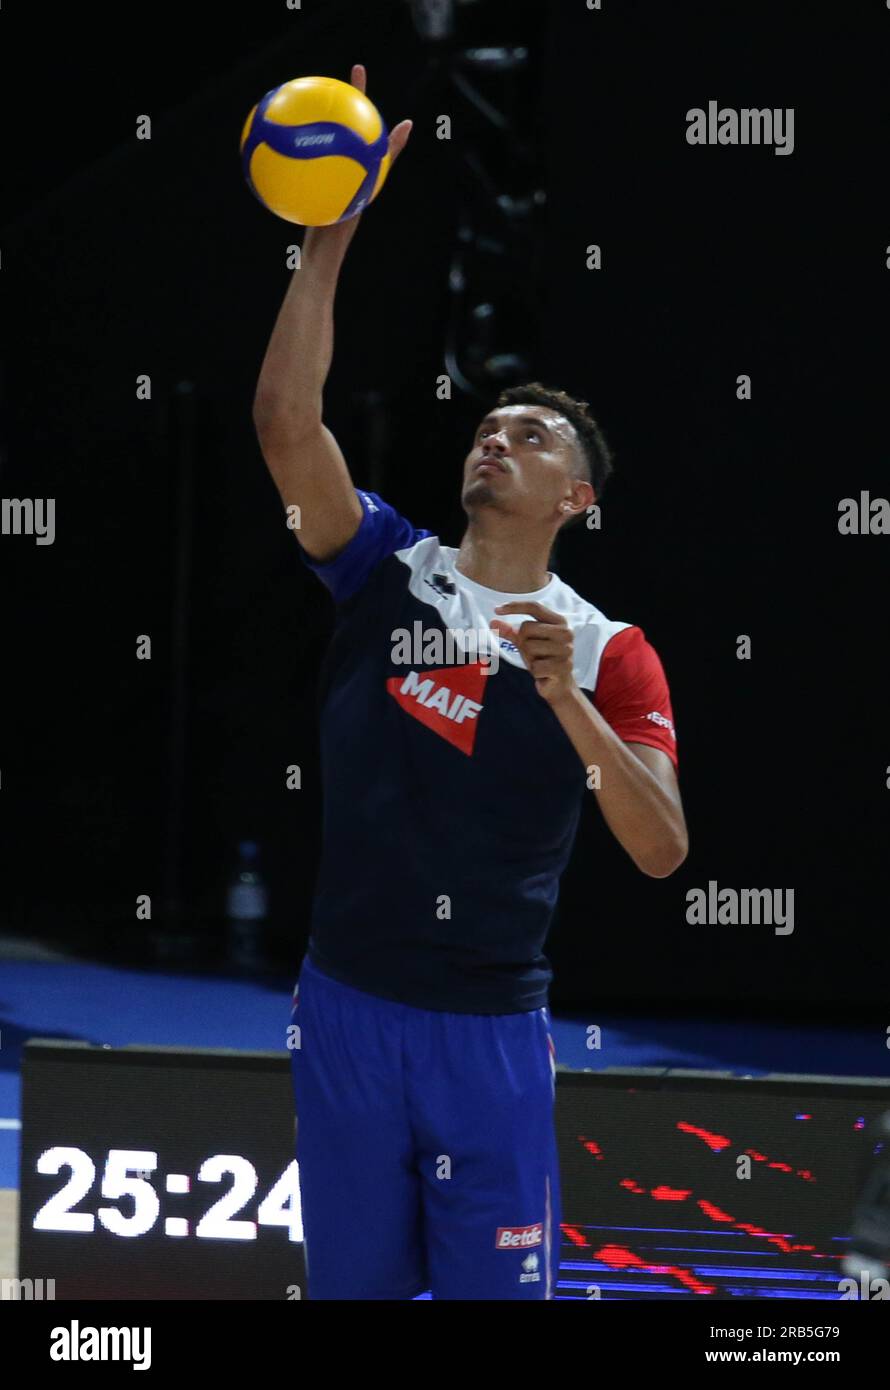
point(499, 561)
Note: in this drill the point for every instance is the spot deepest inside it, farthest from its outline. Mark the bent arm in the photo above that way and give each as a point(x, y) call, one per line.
point(638, 794)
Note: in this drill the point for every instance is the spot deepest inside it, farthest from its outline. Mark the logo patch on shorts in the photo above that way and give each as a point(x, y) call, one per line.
point(519, 1237)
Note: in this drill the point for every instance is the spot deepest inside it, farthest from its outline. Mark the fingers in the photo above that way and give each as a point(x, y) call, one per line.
point(398, 136)
point(542, 667)
point(545, 650)
point(398, 139)
point(535, 635)
point(535, 610)
point(545, 642)
point(546, 662)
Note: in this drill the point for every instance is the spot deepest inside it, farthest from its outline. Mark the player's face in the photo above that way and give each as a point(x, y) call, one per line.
point(521, 462)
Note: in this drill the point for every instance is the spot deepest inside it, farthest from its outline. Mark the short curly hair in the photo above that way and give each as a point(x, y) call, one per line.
point(595, 458)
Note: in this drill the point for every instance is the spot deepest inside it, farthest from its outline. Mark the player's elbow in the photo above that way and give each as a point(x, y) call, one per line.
point(666, 858)
point(284, 423)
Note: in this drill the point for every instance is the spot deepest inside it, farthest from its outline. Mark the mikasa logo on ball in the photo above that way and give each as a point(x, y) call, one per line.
point(313, 139)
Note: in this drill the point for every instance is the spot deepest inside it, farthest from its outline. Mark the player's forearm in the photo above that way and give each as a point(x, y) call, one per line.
point(639, 811)
point(301, 347)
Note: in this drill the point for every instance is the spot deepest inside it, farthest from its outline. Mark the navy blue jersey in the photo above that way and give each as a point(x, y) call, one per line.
point(451, 794)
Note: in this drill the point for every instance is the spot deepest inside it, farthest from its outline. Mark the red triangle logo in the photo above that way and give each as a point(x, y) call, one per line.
point(447, 700)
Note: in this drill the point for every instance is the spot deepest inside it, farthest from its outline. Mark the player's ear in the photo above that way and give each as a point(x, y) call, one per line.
point(588, 494)
point(575, 507)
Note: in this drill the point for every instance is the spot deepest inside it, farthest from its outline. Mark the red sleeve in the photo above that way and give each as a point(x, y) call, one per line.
point(632, 692)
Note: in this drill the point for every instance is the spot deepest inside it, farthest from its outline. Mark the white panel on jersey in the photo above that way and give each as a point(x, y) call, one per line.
point(469, 609)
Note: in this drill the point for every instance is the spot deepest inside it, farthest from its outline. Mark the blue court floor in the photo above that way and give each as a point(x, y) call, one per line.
point(108, 1004)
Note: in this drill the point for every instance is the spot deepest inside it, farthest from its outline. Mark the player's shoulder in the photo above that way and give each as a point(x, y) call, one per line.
point(428, 560)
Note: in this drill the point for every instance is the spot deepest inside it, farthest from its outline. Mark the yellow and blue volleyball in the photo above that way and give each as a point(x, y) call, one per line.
point(315, 151)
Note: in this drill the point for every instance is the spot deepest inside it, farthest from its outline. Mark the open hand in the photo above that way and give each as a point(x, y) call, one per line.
point(398, 136)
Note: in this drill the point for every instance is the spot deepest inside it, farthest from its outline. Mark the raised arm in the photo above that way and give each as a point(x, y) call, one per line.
point(302, 454)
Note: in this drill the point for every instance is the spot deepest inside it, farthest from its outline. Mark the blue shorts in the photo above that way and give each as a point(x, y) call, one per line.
point(426, 1147)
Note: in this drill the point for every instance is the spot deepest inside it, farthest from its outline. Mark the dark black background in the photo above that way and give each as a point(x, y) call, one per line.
point(121, 257)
